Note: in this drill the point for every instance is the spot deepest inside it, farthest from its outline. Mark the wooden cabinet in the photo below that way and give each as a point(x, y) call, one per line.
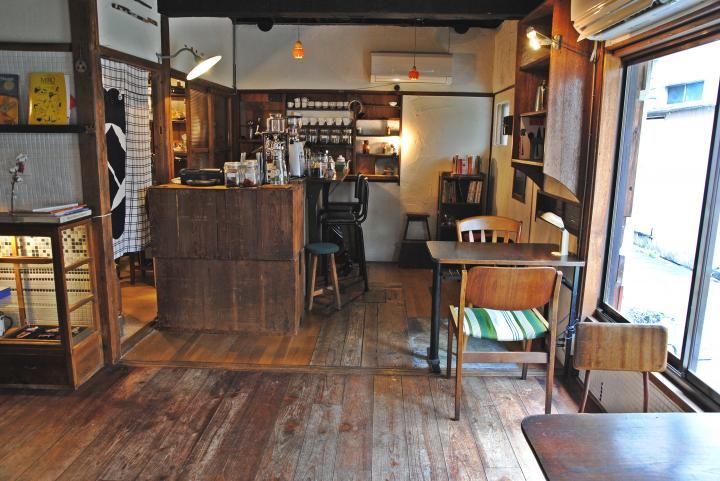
point(563, 120)
point(53, 340)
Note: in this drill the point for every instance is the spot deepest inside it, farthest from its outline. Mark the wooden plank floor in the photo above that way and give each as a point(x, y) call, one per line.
point(140, 423)
point(385, 328)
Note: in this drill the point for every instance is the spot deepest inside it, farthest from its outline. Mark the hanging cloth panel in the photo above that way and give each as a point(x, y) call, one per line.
point(129, 150)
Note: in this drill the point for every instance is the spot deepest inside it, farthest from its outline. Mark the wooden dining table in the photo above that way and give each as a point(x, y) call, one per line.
point(627, 447)
point(449, 253)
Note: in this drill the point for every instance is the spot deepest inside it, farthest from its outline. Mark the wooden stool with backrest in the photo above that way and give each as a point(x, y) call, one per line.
point(609, 346)
point(506, 302)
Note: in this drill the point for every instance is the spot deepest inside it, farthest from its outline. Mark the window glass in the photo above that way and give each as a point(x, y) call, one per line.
point(662, 172)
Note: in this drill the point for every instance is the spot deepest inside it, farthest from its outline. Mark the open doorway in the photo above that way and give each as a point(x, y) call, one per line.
point(129, 137)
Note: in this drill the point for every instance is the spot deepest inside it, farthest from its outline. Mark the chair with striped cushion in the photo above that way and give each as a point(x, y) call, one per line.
point(505, 302)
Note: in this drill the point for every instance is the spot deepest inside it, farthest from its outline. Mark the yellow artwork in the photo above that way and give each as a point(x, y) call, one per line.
point(48, 99)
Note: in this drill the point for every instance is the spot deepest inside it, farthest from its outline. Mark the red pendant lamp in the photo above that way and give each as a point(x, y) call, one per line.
point(298, 51)
point(413, 74)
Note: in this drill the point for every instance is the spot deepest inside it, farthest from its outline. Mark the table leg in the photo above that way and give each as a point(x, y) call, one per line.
point(433, 350)
point(573, 320)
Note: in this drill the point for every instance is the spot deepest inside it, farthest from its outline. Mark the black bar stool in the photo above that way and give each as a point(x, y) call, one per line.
point(352, 214)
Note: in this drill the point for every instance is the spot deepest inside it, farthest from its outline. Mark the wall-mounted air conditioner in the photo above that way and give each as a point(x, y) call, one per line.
point(612, 19)
point(394, 67)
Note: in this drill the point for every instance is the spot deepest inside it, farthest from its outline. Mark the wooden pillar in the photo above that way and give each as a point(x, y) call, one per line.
point(162, 115)
point(93, 164)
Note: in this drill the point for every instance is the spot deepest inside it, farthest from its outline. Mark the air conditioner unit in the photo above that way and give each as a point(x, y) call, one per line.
point(612, 19)
point(394, 67)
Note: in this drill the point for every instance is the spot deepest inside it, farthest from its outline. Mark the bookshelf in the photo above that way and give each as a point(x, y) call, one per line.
point(459, 196)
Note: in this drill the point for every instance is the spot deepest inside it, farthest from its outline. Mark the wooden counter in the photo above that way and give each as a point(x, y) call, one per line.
point(228, 260)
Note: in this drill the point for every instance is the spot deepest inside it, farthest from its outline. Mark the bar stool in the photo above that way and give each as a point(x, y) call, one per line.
point(354, 219)
point(316, 250)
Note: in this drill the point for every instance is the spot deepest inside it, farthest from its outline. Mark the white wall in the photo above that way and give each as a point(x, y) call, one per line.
point(34, 21)
point(210, 36)
point(120, 31)
point(338, 57)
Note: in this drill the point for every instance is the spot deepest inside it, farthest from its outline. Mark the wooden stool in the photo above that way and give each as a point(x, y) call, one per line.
point(316, 250)
point(413, 253)
point(417, 217)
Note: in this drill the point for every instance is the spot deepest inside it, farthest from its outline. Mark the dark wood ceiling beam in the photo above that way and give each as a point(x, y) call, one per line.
point(389, 10)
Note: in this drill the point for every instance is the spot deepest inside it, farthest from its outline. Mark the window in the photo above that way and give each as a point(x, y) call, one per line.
point(502, 111)
point(663, 261)
point(687, 92)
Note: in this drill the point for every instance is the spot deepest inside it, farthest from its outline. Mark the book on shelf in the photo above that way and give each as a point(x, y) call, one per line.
point(48, 99)
point(53, 208)
point(9, 99)
point(58, 217)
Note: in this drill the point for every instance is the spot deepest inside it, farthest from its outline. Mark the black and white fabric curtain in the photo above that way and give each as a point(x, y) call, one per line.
point(129, 151)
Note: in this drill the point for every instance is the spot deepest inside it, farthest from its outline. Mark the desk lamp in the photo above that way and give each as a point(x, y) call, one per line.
point(555, 220)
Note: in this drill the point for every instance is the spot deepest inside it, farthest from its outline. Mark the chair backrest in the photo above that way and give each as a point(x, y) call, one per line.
point(488, 228)
point(511, 288)
point(620, 347)
point(363, 196)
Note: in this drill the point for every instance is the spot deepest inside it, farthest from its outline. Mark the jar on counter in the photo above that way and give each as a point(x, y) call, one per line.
point(250, 173)
point(232, 174)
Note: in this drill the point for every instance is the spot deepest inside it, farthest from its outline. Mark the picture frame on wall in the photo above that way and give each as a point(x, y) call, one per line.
point(519, 184)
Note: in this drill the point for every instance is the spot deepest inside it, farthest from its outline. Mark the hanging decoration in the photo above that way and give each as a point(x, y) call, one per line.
point(413, 74)
point(298, 51)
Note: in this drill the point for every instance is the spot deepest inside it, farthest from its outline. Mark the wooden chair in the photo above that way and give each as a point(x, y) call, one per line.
point(620, 347)
point(502, 228)
point(495, 291)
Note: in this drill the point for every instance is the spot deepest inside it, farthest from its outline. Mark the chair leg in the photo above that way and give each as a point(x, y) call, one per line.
point(550, 377)
point(427, 228)
point(458, 374)
point(528, 348)
point(451, 328)
point(131, 258)
point(363, 263)
point(311, 287)
point(586, 392)
point(336, 284)
point(646, 393)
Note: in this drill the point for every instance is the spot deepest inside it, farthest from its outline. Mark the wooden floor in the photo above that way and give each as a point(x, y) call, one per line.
point(133, 423)
point(387, 327)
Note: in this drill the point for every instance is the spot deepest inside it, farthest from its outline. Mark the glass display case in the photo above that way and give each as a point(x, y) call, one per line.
point(48, 317)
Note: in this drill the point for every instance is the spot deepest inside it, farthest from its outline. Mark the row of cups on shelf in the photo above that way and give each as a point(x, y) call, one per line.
point(305, 103)
point(327, 121)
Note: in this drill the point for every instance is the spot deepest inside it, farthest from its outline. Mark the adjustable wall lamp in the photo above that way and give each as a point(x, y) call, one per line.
point(202, 64)
point(538, 40)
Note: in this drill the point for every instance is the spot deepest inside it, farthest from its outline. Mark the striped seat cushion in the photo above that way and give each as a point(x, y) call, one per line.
point(502, 325)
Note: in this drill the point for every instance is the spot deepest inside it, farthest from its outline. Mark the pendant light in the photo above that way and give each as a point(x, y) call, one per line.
point(298, 51)
point(413, 74)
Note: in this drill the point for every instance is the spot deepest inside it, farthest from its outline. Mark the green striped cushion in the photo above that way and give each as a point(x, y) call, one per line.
point(502, 325)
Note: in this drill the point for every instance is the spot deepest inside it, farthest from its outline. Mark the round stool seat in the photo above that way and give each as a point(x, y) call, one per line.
point(322, 248)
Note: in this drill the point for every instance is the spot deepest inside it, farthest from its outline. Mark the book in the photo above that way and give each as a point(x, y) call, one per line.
point(47, 94)
point(9, 99)
point(53, 208)
point(43, 217)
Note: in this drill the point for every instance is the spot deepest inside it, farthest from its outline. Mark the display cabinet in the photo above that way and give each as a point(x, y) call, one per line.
point(50, 332)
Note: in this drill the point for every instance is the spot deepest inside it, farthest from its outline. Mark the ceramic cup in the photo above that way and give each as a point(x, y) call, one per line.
point(325, 104)
point(304, 102)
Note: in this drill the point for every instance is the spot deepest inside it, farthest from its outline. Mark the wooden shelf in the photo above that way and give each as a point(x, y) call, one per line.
point(536, 113)
point(42, 129)
point(534, 163)
point(329, 146)
point(448, 176)
point(375, 177)
point(384, 156)
point(25, 260)
point(378, 135)
point(541, 64)
point(74, 265)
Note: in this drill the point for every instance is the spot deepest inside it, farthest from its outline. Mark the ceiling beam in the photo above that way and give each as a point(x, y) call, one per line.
point(352, 11)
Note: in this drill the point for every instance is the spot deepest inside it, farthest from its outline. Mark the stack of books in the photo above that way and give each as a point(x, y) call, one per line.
point(55, 214)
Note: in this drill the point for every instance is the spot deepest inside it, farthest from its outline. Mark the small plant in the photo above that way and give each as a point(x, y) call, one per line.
point(641, 316)
point(16, 175)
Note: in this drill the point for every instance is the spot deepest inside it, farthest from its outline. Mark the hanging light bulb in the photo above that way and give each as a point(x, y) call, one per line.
point(298, 51)
point(413, 74)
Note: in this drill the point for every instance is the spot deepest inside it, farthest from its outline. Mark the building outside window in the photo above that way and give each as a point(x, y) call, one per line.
point(663, 261)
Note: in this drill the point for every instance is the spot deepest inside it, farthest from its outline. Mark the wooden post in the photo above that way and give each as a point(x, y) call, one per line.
point(162, 115)
point(93, 164)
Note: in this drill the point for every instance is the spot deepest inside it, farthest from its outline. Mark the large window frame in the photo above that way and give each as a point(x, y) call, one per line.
point(679, 366)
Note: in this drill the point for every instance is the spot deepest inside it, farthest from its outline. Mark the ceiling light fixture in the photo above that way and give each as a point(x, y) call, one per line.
point(413, 74)
point(202, 64)
point(298, 51)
